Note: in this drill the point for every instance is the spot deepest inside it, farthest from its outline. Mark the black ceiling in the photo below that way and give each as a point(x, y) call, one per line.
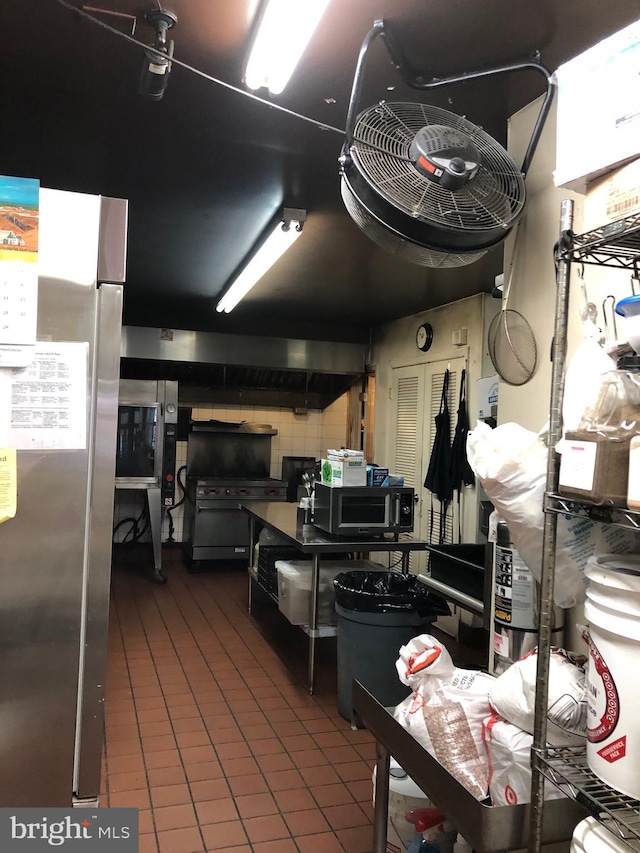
point(206, 169)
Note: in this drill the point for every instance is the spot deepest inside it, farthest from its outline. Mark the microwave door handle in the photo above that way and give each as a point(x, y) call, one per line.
point(396, 511)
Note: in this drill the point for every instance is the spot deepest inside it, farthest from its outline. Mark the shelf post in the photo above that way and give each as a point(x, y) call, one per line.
point(559, 353)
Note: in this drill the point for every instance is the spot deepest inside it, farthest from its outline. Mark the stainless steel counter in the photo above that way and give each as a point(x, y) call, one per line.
point(308, 539)
point(283, 518)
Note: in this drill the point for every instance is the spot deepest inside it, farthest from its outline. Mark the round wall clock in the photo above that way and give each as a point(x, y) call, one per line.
point(424, 336)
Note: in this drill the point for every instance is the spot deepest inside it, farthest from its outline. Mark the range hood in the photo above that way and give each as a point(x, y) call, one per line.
point(241, 369)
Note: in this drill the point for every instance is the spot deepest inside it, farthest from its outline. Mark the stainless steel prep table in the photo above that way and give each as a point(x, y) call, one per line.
point(489, 829)
point(308, 539)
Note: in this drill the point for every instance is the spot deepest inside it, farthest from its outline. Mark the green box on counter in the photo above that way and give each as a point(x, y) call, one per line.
point(351, 471)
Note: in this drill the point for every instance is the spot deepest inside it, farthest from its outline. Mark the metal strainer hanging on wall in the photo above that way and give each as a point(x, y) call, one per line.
point(512, 347)
point(512, 344)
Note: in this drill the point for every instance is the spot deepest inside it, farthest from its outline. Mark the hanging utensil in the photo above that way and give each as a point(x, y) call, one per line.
point(512, 344)
point(609, 317)
point(588, 312)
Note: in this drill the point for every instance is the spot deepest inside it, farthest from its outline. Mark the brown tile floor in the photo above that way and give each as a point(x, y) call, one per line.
point(210, 730)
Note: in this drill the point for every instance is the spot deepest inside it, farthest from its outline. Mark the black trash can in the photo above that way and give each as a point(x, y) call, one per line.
point(377, 612)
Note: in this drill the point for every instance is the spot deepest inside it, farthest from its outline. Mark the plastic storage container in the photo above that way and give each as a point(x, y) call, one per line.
point(613, 728)
point(595, 458)
point(376, 614)
point(591, 836)
point(294, 588)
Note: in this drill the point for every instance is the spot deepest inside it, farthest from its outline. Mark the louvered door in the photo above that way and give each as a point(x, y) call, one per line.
point(416, 392)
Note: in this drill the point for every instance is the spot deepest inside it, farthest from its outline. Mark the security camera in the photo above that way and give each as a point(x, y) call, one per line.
point(156, 68)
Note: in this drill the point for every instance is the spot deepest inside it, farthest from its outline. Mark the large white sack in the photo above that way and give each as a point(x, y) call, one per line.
point(511, 463)
point(508, 751)
point(445, 712)
point(513, 696)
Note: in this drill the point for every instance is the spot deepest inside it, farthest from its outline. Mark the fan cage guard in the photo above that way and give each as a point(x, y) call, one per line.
point(489, 204)
point(397, 244)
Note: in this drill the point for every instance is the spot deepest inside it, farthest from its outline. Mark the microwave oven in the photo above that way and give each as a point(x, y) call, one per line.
point(146, 439)
point(363, 510)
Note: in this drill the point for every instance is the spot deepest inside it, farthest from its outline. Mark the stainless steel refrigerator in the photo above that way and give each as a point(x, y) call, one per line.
point(55, 554)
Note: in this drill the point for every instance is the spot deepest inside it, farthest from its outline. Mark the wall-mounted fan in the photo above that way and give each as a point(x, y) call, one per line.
point(426, 184)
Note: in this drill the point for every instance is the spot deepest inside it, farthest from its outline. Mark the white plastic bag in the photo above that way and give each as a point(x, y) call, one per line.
point(577, 541)
point(445, 712)
point(581, 387)
point(511, 463)
point(508, 751)
point(512, 695)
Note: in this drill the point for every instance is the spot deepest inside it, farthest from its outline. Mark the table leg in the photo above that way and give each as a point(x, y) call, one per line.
point(252, 544)
point(381, 803)
point(155, 520)
point(405, 562)
point(313, 626)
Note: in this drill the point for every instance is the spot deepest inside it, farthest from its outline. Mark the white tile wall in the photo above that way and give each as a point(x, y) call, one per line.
point(310, 434)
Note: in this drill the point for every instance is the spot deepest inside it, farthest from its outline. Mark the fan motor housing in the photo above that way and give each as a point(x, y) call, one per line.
point(444, 155)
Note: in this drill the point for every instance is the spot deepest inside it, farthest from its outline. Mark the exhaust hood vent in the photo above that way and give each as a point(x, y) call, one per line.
point(293, 374)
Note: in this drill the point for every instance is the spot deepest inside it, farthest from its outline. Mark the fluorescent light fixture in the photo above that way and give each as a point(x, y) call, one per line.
point(279, 240)
point(285, 28)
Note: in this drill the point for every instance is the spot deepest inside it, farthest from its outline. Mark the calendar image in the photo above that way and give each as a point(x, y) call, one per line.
point(19, 209)
point(19, 218)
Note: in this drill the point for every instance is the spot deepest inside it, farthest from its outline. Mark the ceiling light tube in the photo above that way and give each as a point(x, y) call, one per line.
point(284, 235)
point(285, 28)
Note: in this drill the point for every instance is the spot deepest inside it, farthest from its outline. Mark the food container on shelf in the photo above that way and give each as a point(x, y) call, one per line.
point(595, 458)
point(629, 308)
point(294, 588)
point(294, 592)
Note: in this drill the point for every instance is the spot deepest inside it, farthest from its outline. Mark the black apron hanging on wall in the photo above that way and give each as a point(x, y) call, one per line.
point(438, 479)
point(461, 471)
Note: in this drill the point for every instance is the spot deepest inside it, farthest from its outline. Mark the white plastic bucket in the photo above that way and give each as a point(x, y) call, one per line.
point(404, 795)
point(613, 689)
point(590, 836)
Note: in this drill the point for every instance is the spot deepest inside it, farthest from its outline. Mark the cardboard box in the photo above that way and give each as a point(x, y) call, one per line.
point(344, 472)
point(598, 125)
point(613, 197)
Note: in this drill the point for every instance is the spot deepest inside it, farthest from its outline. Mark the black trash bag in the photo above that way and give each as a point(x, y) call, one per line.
point(383, 592)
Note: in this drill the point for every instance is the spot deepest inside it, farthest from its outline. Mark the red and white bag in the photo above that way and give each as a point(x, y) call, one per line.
point(508, 751)
point(446, 710)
